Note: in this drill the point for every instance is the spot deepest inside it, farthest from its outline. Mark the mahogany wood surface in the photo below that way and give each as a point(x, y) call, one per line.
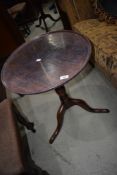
point(67, 102)
point(61, 53)
point(37, 67)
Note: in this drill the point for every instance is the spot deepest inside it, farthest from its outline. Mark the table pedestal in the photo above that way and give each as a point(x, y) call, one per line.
point(67, 102)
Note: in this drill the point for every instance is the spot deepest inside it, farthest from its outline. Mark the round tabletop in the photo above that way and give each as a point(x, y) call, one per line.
point(46, 62)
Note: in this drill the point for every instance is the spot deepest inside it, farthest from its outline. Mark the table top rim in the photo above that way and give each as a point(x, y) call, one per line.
point(36, 38)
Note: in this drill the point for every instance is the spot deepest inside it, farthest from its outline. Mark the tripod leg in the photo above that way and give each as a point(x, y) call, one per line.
point(49, 16)
point(38, 25)
point(46, 28)
point(85, 106)
point(60, 117)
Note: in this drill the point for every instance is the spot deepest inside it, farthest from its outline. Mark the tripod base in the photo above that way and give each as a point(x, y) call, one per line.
point(43, 16)
point(67, 102)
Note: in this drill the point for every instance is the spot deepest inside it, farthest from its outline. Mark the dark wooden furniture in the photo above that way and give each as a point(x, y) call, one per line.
point(13, 154)
point(48, 63)
point(10, 39)
point(74, 11)
point(10, 36)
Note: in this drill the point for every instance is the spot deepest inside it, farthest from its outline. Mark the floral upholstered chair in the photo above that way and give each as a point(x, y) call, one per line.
point(102, 32)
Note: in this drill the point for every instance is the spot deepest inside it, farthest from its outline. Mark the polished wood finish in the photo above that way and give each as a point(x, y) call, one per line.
point(69, 9)
point(85, 9)
point(76, 10)
point(63, 16)
point(61, 53)
point(43, 64)
point(67, 102)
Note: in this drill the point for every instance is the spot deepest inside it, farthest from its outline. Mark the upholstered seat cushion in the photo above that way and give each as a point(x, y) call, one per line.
point(104, 38)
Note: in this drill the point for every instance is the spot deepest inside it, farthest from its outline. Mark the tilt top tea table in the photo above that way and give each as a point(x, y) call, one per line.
point(46, 63)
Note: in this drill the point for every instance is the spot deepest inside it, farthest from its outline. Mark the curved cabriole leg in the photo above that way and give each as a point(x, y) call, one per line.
point(66, 103)
point(60, 117)
point(85, 106)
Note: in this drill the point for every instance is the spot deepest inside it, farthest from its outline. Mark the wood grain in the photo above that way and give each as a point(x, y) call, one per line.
point(61, 53)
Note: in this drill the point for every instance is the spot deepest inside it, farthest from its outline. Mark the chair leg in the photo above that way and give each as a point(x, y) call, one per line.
point(22, 120)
